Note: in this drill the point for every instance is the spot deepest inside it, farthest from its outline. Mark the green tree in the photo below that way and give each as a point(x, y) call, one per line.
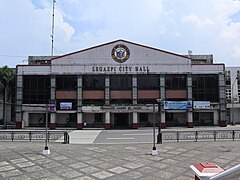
point(6, 81)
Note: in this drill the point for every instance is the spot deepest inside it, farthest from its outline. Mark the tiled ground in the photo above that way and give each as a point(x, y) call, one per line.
point(24, 160)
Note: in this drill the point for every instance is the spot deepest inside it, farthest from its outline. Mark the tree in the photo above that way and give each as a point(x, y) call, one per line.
point(6, 81)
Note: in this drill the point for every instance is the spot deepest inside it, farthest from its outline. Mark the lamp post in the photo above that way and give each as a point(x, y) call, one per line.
point(232, 100)
point(159, 136)
point(154, 149)
point(46, 150)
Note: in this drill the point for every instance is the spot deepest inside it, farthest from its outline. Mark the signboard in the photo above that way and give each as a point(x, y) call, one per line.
point(52, 106)
point(65, 105)
point(201, 104)
point(177, 104)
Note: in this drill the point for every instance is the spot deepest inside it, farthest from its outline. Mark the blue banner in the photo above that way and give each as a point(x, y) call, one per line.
point(177, 104)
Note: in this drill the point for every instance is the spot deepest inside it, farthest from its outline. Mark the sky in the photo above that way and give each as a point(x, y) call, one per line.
point(202, 26)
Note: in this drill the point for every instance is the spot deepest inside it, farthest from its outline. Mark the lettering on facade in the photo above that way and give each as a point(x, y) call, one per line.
point(120, 69)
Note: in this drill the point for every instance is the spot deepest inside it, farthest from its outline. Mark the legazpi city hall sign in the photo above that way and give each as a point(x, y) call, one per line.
point(120, 53)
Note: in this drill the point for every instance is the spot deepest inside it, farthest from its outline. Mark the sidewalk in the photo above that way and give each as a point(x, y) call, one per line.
point(24, 160)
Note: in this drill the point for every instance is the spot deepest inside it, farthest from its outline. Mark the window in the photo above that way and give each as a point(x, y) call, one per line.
point(67, 83)
point(228, 94)
point(228, 77)
point(176, 82)
point(93, 82)
point(148, 82)
point(205, 88)
point(121, 82)
point(36, 89)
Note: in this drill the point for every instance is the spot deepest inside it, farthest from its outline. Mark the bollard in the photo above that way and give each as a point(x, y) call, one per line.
point(203, 171)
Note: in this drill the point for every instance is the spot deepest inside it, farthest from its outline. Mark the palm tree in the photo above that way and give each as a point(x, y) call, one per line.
point(6, 80)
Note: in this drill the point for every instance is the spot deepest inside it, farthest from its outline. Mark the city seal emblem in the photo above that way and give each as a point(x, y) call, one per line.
point(120, 53)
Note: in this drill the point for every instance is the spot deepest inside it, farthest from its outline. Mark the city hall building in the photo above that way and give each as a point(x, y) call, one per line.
point(120, 84)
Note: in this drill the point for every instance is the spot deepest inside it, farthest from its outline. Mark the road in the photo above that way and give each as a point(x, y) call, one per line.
point(144, 135)
point(125, 136)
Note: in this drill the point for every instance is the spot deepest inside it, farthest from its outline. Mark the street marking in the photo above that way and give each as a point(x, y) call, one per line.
point(143, 134)
point(120, 138)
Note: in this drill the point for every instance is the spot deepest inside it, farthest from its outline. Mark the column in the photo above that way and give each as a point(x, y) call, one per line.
point(134, 89)
point(135, 120)
point(162, 97)
point(107, 90)
point(190, 119)
point(19, 94)
point(163, 120)
point(53, 122)
point(79, 103)
point(215, 117)
point(79, 120)
point(222, 101)
point(107, 124)
point(25, 119)
point(189, 97)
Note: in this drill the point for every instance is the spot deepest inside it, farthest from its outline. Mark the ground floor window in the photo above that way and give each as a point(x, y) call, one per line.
point(143, 119)
point(66, 120)
point(99, 120)
point(176, 119)
point(203, 119)
point(121, 120)
point(37, 119)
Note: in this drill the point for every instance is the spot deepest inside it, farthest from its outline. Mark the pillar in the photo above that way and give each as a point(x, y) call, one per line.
point(222, 101)
point(163, 120)
point(135, 120)
point(79, 103)
point(189, 119)
point(25, 119)
point(162, 97)
point(189, 97)
point(215, 117)
point(53, 121)
point(134, 89)
point(19, 94)
point(107, 124)
point(79, 121)
point(107, 90)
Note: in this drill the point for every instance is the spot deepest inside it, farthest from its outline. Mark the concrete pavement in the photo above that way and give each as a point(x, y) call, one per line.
point(24, 160)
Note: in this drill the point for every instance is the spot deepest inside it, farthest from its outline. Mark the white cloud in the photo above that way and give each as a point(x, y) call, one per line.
point(197, 21)
point(204, 26)
point(231, 31)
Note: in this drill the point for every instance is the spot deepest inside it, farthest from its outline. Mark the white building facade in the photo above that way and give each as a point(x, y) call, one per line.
point(232, 94)
point(116, 85)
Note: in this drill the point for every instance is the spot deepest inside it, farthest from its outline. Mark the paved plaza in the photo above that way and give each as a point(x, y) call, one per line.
point(24, 160)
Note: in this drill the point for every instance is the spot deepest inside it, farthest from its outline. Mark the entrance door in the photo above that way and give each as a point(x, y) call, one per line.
point(121, 120)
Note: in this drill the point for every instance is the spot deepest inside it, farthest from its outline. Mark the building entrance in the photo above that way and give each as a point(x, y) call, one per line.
point(121, 120)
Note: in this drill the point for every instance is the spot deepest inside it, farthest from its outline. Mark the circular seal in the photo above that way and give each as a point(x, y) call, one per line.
point(120, 53)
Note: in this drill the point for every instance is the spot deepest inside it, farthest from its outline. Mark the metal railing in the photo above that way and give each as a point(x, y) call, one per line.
point(201, 135)
point(34, 135)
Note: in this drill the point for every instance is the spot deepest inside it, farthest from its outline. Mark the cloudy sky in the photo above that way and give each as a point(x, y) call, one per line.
point(202, 26)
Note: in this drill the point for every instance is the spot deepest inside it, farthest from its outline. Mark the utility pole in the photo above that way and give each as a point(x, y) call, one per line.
point(52, 35)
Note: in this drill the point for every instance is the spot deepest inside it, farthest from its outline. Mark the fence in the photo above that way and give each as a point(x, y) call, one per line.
point(10, 135)
point(201, 135)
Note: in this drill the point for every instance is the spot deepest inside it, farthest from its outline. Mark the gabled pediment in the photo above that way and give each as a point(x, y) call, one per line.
point(121, 52)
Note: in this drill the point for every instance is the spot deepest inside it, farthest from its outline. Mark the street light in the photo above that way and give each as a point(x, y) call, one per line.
point(232, 100)
point(154, 149)
point(46, 150)
point(159, 136)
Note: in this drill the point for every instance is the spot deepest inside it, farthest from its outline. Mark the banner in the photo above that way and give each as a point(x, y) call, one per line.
point(177, 104)
point(201, 104)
